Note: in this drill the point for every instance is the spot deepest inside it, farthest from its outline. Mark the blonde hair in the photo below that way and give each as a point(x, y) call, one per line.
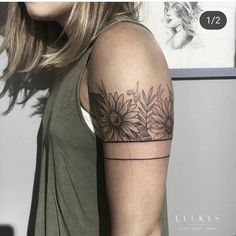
point(36, 46)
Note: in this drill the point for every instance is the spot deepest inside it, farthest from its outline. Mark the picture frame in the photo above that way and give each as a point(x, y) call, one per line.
point(192, 51)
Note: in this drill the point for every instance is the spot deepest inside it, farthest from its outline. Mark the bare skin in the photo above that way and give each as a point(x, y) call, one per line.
point(46, 11)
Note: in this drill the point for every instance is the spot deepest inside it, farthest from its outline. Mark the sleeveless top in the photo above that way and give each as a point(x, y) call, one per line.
point(69, 194)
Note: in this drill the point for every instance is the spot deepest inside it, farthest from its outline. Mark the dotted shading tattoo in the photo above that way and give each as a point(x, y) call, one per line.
point(142, 117)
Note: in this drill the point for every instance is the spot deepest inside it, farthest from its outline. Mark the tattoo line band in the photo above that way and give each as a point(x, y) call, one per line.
point(142, 141)
point(110, 158)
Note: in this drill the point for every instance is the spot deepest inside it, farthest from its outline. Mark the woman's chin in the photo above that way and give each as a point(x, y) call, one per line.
point(47, 11)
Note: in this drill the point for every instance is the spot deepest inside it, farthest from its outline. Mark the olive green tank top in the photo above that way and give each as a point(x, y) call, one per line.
point(69, 197)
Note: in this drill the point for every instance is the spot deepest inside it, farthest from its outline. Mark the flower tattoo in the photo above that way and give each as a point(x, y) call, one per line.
point(142, 117)
point(163, 119)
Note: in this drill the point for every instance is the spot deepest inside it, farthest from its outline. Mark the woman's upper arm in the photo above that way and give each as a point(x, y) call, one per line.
point(131, 102)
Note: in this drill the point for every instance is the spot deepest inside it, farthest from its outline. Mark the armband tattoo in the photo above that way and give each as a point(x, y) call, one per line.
point(135, 159)
point(141, 117)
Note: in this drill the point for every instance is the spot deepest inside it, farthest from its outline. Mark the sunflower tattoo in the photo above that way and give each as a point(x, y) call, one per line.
point(143, 117)
point(163, 119)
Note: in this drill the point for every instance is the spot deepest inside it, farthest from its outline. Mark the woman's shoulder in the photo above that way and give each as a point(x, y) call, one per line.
point(122, 28)
point(123, 35)
point(126, 44)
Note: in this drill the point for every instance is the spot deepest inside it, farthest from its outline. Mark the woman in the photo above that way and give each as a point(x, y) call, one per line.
point(106, 64)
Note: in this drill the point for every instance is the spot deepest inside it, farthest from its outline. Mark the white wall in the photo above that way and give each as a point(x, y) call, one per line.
point(18, 131)
point(17, 165)
point(202, 171)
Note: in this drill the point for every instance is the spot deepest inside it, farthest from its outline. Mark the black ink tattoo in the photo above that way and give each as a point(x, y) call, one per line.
point(143, 117)
point(124, 159)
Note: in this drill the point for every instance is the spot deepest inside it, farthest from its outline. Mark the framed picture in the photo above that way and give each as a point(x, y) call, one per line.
point(192, 49)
